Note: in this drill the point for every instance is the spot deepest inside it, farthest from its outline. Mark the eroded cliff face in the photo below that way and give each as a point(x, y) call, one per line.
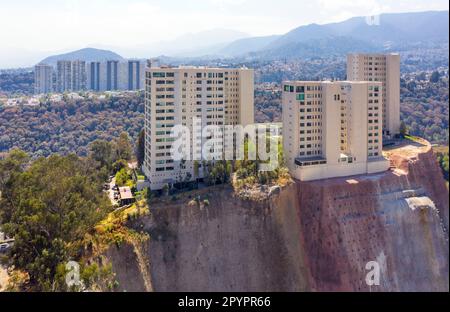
point(312, 236)
point(399, 219)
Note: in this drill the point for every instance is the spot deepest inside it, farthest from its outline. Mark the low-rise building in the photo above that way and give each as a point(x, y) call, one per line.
point(125, 196)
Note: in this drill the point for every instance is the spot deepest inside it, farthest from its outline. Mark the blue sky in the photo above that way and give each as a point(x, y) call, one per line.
point(60, 25)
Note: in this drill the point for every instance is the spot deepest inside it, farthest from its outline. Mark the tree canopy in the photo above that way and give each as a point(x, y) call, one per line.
point(48, 206)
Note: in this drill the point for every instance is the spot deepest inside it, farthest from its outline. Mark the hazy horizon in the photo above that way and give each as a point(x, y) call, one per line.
point(36, 30)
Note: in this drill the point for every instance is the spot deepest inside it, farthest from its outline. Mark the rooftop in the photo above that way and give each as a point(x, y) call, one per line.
point(125, 193)
point(165, 67)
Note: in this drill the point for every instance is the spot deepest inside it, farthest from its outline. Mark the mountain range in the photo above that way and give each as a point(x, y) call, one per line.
point(386, 32)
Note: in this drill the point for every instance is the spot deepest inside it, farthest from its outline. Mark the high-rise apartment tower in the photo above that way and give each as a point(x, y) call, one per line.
point(386, 69)
point(43, 78)
point(332, 129)
point(191, 97)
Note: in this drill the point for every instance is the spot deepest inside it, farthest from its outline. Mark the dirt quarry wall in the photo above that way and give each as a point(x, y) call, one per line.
point(399, 220)
point(311, 236)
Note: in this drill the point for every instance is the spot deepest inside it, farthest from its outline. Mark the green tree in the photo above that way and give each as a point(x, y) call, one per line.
point(140, 148)
point(166, 189)
point(48, 208)
point(443, 162)
point(119, 165)
point(102, 152)
point(434, 77)
point(196, 170)
point(11, 166)
point(403, 129)
point(123, 148)
point(122, 177)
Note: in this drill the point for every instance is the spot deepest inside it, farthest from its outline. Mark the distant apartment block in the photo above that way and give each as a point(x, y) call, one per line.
point(114, 75)
point(93, 76)
point(175, 96)
point(71, 76)
point(79, 77)
point(43, 78)
point(64, 76)
point(332, 129)
point(386, 69)
point(136, 74)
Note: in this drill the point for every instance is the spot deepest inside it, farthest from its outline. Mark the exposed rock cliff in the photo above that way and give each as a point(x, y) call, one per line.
point(312, 236)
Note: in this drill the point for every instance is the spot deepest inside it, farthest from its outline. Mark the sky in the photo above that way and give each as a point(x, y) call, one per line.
point(30, 29)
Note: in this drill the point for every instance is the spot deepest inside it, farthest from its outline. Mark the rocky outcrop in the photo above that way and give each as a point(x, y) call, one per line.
point(310, 236)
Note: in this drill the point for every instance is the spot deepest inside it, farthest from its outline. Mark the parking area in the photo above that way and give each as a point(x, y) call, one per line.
point(112, 190)
point(119, 196)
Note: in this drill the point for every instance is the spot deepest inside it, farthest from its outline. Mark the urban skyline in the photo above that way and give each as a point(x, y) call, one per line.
point(77, 75)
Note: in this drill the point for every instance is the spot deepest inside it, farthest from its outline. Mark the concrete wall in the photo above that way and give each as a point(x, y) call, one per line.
point(331, 130)
point(317, 172)
point(246, 89)
point(393, 93)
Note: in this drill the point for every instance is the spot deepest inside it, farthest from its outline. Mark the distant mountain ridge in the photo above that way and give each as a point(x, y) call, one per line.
point(386, 32)
point(87, 54)
point(247, 45)
point(394, 30)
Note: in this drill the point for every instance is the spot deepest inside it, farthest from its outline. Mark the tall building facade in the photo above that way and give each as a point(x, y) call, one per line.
point(64, 76)
point(115, 75)
point(136, 74)
point(386, 69)
point(191, 97)
point(112, 75)
point(79, 76)
point(93, 74)
point(43, 78)
point(71, 76)
point(332, 129)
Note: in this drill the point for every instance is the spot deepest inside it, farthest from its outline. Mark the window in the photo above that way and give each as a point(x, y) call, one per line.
point(300, 97)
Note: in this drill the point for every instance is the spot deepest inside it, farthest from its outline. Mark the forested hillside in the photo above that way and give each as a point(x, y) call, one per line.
point(70, 125)
point(424, 107)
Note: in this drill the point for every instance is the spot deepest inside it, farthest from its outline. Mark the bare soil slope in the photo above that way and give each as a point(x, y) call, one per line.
point(312, 236)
